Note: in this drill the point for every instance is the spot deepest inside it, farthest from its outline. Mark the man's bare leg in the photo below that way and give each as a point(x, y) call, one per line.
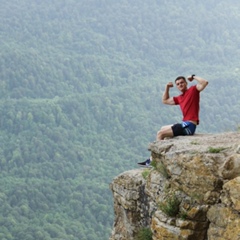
point(165, 131)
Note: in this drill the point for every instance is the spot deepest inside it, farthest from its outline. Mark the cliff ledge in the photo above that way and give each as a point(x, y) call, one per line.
point(192, 191)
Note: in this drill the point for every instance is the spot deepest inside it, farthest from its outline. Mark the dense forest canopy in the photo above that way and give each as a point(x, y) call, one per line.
point(80, 99)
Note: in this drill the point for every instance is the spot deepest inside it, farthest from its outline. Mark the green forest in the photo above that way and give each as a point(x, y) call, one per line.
point(80, 100)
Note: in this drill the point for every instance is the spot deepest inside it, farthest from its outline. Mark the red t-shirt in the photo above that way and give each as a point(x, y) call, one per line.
point(189, 104)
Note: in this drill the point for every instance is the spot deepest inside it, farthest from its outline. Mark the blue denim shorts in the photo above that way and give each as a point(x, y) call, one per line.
point(184, 128)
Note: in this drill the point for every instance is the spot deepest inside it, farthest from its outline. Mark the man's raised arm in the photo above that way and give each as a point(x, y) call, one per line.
point(202, 83)
point(166, 99)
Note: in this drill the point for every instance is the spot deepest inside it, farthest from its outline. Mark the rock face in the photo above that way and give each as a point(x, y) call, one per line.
point(192, 191)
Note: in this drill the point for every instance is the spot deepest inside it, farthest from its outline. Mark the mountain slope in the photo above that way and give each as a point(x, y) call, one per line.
point(80, 99)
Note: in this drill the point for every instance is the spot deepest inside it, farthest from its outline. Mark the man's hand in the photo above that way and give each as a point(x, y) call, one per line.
point(190, 78)
point(169, 85)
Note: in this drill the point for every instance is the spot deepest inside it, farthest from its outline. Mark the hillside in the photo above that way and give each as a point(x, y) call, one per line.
point(80, 99)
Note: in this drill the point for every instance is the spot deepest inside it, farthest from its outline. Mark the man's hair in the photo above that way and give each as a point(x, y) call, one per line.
point(180, 77)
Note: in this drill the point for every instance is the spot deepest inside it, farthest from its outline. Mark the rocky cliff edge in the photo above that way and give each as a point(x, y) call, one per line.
point(192, 191)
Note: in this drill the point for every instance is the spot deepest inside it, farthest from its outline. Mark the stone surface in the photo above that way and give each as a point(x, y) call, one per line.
point(196, 176)
point(131, 205)
point(231, 193)
point(224, 223)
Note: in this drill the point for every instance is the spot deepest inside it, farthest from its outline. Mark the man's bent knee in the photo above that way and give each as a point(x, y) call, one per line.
point(165, 131)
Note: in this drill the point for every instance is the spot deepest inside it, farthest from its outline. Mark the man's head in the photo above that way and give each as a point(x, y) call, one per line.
point(181, 83)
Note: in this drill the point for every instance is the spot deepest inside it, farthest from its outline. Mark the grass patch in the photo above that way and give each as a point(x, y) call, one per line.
point(170, 206)
point(183, 215)
point(160, 167)
point(145, 173)
point(194, 143)
point(215, 150)
point(144, 234)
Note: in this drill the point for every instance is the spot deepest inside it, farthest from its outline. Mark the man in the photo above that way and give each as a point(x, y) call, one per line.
point(188, 100)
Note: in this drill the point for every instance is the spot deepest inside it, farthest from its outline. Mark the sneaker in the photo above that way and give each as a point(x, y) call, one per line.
point(145, 163)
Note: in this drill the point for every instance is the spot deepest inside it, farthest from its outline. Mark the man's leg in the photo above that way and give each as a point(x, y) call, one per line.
point(146, 163)
point(165, 131)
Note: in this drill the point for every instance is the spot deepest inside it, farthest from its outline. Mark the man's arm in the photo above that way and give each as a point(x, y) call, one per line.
point(202, 83)
point(166, 99)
